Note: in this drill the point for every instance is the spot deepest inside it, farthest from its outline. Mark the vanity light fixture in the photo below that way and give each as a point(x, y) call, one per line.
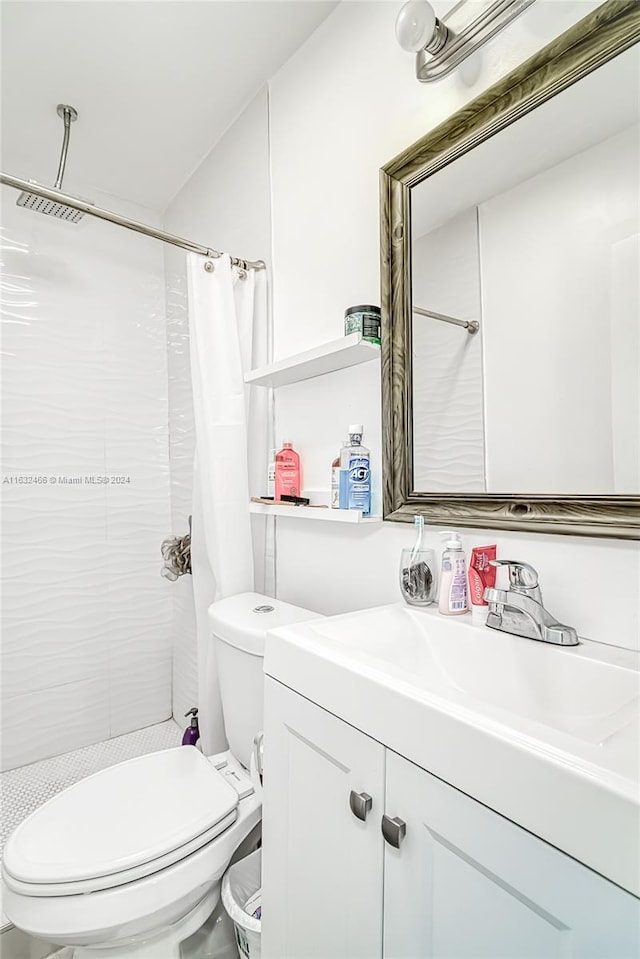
point(440, 45)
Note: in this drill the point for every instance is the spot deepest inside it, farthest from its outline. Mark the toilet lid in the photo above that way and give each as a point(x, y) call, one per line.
point(120, 818)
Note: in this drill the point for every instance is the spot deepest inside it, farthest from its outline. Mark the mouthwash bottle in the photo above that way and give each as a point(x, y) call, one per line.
point(356, 461)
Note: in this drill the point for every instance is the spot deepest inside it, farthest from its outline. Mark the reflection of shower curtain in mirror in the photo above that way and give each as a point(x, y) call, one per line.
point(227, 323)
point(448, 404)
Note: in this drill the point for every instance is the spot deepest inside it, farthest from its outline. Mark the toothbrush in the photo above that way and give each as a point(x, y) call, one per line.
point(418, 522)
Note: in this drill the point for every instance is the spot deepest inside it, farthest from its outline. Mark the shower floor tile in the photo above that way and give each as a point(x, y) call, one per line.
point(24, 789)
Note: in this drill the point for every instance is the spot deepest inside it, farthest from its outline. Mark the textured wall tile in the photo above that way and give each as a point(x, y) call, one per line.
point(139, 629)
point(53, 721)
point(182, 448)
point(85, 395)
point(138, 510)
point(140, 697)
point(185, 658)
point(51, 649)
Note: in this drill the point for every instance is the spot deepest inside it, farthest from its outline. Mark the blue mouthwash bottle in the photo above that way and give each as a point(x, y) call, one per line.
point(356, 461)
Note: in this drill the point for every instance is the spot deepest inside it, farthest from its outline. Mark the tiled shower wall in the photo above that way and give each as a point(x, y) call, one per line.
point(182, 448)
point(86, 646)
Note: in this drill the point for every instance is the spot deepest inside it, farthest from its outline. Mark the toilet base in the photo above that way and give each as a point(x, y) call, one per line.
point(165, 944)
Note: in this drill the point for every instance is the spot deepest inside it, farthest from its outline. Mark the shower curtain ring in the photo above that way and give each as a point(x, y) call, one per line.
point(209, 267)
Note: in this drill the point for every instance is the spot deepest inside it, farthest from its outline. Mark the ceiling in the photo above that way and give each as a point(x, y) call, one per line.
point(155, 84)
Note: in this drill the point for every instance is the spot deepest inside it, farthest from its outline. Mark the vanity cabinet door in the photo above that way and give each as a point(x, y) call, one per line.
point(468, 883)
point(322, 865)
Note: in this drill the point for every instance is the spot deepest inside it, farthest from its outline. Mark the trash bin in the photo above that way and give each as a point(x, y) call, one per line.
point(240, 889)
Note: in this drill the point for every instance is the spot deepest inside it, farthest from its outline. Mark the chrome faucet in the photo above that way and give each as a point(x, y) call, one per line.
point(519, 609)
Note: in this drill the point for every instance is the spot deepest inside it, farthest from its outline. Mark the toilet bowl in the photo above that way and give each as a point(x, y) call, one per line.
point(128, 862)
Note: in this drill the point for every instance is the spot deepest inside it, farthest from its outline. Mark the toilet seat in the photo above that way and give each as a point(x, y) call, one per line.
point(134, 908)
point(82, 886)
point(121, 824)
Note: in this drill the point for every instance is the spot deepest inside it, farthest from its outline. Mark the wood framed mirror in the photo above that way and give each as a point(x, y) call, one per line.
point(510, 259)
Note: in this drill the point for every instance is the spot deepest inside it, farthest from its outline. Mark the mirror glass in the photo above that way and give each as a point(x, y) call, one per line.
point(534, 236)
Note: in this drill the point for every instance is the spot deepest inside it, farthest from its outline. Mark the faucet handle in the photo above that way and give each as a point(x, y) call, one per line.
point(522, 577)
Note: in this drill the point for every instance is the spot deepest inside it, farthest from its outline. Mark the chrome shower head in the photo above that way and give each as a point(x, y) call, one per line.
point(31, 201)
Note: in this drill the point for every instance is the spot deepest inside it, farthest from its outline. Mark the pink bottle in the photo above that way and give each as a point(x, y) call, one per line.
point(288, 481)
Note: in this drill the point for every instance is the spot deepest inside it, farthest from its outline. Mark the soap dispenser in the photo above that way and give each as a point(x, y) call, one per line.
point(453, 577)
point(192, 732)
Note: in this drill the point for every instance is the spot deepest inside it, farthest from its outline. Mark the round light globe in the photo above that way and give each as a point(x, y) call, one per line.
point(415, 25)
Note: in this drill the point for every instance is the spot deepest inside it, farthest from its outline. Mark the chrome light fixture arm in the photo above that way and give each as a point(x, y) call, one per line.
point(468, 26)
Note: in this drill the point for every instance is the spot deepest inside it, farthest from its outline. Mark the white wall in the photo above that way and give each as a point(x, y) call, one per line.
point(340, 108)
point(225, 204)
point(552, 252)
point(86, 651)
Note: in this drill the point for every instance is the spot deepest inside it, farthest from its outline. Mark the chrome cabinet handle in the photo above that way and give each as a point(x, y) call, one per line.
point(360, 804)
point(394, 830)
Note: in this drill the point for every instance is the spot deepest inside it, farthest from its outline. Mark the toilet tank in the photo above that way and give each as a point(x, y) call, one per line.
point(239, 626)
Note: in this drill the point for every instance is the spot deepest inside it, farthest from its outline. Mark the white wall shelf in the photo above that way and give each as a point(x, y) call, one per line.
point(314, 512)
point(349, 350)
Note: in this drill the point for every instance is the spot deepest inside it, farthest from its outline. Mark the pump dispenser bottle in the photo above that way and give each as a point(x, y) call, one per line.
point(192, 732)
point(453, 577)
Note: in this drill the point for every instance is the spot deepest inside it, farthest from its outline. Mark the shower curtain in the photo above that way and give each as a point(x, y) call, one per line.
point(228, 336)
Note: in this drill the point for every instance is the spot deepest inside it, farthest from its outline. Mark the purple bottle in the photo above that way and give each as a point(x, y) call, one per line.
point(192, 732)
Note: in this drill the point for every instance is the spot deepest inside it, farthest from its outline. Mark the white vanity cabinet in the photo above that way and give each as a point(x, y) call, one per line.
point(468, 883)
point(464, 882)
point(322, 867)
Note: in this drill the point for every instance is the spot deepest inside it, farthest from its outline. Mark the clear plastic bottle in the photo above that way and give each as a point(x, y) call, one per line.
point(356, 460)
point(271, 474)
point(453, 577)
point(288, 480)
point(334, 499)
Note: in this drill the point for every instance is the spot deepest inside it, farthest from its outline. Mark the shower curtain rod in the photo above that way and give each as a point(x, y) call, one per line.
point(56, 196)
point(471, 326)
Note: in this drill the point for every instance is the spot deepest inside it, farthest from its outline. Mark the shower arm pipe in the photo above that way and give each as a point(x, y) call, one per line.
point(471, 326)
point(67, 117)
point(56, 196)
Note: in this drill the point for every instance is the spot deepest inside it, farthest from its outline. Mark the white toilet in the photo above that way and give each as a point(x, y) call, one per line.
point(128, 862)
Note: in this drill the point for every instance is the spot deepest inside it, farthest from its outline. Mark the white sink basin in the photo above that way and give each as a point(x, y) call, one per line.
point(571, 689)
point(548, 736)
